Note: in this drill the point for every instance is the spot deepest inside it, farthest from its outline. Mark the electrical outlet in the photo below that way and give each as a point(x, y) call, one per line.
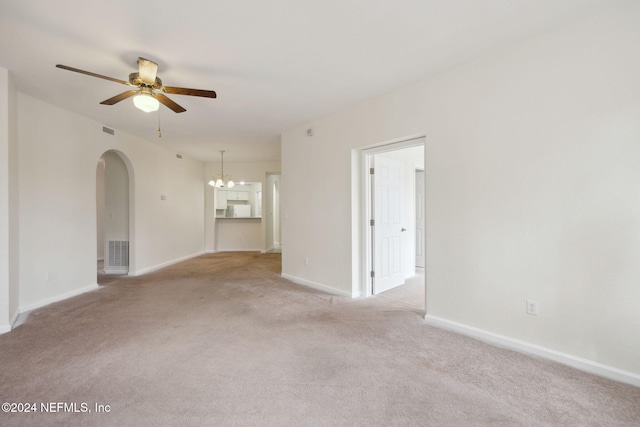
point(532, 307)
point(306, 260)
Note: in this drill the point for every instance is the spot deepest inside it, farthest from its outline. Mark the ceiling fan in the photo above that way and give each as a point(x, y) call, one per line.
point(149, 90)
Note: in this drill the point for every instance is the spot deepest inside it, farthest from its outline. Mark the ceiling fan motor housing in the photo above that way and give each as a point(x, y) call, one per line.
point(135, 80)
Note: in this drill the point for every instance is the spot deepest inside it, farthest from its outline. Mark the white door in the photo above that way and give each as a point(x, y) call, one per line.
point(420, 240)
point(388, 184)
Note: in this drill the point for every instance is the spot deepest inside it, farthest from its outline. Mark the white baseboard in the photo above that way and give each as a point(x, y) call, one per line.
point(164, 264)
point(14, 320)
point(585, 365)
point(115, 270)
point(315, 285)
point(20, 319)
point(238, 250)
point(51, 300)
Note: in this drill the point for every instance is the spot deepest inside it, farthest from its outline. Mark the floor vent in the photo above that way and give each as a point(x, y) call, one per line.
point(118, 253)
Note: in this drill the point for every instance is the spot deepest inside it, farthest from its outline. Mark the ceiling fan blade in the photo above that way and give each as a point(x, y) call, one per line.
point(118, 98)
point(192, 92)
point(169, 103)
point(147, 70)
point(88, 73)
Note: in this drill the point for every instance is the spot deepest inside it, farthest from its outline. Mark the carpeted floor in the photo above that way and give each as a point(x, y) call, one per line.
point(411, 293)
point(222, 340)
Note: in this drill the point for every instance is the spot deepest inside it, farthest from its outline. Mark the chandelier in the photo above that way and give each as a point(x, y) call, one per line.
point(221, 180)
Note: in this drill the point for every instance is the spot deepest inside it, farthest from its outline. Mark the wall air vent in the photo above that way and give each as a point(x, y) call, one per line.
point(118, 253)
point(108, 130)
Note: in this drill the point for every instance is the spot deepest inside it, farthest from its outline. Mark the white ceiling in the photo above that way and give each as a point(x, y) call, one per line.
point(275, 64)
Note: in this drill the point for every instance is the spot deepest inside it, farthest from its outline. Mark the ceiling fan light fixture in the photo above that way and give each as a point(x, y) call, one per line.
point(144, 82)
point(146, 102)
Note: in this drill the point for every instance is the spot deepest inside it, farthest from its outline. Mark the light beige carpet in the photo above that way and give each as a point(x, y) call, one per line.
point(411, 293)
point(222, 340)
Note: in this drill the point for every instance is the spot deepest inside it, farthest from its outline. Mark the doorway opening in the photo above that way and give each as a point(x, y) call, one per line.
point(393, 235)
point(114, 216)
point(272, 217)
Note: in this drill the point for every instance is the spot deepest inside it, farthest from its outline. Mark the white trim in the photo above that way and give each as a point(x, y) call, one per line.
point(115, 270)
point(585, 365)
point(366, 154)
point(366, 239)
point(20, 319)
point(395, 144)
point(57, 298)
point(13, 322)
point(165, 264)
point(239, 250)
point(317, 286)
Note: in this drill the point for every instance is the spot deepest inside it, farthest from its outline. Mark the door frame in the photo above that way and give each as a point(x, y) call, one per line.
point(424, 191)
point(366, 203)
point(271, 217)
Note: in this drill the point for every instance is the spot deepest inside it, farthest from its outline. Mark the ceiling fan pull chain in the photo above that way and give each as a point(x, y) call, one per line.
point(159, 131)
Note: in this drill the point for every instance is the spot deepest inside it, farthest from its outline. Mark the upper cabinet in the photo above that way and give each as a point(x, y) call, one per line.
point(222, 200)
point(237, 195)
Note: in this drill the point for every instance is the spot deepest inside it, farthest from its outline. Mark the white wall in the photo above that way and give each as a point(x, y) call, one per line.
point(100, 244)
point(532, 189)
point(116, 205)
point(116, 179)
point(271, 211)
point(58, 156)
point(9, 219)
point(249, 172)
point(5, 320)
point(239, 235)
point(14, 209)
point(173, 228)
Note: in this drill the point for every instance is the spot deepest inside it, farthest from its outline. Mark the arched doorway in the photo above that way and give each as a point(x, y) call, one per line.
point(114, 214)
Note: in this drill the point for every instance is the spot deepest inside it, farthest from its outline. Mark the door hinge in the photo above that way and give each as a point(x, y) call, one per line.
point(371, 171)
point(372, 222)
point(373, 273)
